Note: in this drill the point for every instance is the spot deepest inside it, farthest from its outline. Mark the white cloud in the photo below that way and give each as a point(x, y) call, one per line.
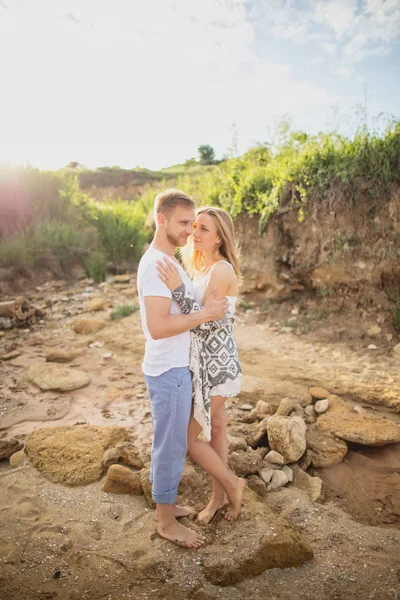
point(346, 72)
point(351, 29)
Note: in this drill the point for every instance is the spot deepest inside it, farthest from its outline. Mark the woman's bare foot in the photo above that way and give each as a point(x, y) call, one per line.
point(180, 535)
point(182, 511)
point(207, 514)
point(235, 501)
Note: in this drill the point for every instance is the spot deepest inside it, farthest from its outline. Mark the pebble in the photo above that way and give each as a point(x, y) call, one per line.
point(310, 410)
point(288, 472)
point(374, 331)
point(321, 406)
point(372, 347)
point(318, 393)
point(246, 407)
point(279, 479)
point(266, 474)
point(275, 457)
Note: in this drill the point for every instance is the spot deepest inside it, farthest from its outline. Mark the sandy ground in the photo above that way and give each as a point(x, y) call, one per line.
point(80, 543)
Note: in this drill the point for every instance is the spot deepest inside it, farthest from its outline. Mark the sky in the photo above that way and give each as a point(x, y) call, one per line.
point(145, 82)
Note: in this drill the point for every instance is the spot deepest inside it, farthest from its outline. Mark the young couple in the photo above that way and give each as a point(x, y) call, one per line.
point(191, 362)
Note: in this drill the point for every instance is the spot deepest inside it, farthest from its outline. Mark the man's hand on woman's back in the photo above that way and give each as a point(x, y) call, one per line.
point(215, 309)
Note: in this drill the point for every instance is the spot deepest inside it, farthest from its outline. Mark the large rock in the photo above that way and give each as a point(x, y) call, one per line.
point(123, 278)
point(245, 462)
point(9, 446)
point(286, 406)
point(121, 480)
point(72, 454)
point(49, 376)
point(18, 459)
point(312, 486)
point(62, 356)
point(360, 429)
point(85, 326)
point(287, 435)
point(131, 455)
point(327, 450)
point(100, 303)
point(260, 539)
point(236, 443)
point(261, 410)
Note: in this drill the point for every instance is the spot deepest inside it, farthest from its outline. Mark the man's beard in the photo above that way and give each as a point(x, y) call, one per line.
point(175, 240)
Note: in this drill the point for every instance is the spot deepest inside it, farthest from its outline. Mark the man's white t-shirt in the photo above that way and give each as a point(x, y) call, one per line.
point(167, 353)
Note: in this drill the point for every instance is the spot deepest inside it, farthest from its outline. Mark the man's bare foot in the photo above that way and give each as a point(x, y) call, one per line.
point(207, 514)
point(182, 511)
point(235, 501)
point(180, 535)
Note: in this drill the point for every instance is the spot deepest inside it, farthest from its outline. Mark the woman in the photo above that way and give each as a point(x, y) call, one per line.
point(212, 260)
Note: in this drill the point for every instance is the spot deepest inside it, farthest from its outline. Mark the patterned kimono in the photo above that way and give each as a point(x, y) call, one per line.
point(213, 357)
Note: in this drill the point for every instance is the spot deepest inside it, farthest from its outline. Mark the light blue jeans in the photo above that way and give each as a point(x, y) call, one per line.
point(171, 403)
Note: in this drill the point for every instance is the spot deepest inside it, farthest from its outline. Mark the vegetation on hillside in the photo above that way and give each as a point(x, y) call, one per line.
point(46, 214)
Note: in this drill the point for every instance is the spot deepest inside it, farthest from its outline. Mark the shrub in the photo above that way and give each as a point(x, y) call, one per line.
point(96, 266)
point(123, 310)
point(122, 230)
point(14, 251)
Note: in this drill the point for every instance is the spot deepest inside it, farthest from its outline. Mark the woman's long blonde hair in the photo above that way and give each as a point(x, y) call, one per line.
point(229, 248)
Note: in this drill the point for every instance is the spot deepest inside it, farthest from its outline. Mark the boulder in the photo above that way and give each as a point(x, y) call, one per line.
point(49, 376)
point(287, 435)
point(326, 449)
point(360, 429)
point(85, 326)
point(122, 278)
point(9, 446)
point(260, 539)
point(130, 455)
point(257, 484)
point(110, 457)
point(100, 303)
point(72, 454)
point(236, 443)
point(312, 486)
point(18, 458)
point(262, 409)
point(62, 356)
point(121, 480)
point(245, 462)
point(286, 406)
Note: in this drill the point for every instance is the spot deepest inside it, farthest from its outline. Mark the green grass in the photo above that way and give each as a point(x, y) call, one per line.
point(123, 310)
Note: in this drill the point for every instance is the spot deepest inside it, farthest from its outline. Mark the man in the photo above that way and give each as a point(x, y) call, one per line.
point(166, 362)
